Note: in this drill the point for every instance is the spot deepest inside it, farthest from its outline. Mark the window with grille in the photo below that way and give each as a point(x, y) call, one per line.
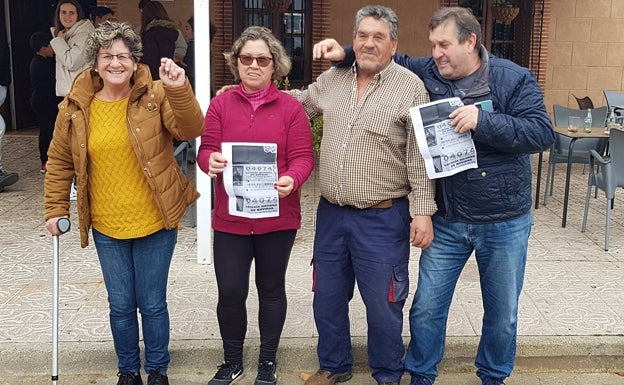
point(292, 26)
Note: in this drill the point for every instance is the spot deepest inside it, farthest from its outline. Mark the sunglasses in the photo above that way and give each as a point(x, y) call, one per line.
point(262, 61)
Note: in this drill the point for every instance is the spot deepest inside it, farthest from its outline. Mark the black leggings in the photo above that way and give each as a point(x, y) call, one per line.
point(232, 262)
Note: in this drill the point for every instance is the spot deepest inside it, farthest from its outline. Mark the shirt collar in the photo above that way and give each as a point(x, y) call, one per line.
point(380, 75)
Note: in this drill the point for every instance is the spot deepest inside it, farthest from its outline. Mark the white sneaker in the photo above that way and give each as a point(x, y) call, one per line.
point(73, 193)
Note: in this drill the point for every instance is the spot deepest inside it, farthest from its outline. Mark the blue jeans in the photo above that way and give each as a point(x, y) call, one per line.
point(135, 273)
point(370, 247)
point(501, 252)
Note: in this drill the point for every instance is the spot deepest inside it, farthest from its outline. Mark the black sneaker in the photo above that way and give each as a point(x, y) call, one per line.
point(228, 373)
point(266, 373)
point(156, 378)
point(7, 178)
point(129, 379)
point(419, 380)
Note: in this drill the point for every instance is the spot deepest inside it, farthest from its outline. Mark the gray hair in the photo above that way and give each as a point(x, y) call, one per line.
point(465, 23)
point(281, 61)
point(104, 36)
point(378, 12)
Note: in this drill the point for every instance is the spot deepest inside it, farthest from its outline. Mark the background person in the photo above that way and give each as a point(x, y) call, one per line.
point(159, 34)
point(180, 44)
point(369, 166)
point(43, 99)
point(6, 178)
point(189, 68)
point(256, 59)
point(101, 14)
point(486, 210)
point(189, 58)
point(131, 191)
point(70, 32)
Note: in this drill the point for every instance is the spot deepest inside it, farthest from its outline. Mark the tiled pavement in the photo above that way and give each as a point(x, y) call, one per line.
point(572, 287)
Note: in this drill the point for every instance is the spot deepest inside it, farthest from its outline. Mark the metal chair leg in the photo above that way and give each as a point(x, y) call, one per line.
point(587, 198)
point(550, 181)
point(608, 223)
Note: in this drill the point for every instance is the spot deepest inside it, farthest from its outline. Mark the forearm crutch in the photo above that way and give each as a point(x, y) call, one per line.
point(63, 226)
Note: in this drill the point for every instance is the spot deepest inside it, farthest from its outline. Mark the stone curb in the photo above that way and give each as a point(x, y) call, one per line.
point(535, 353)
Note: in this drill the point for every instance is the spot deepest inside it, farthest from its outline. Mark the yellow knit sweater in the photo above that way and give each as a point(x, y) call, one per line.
point(122, 203)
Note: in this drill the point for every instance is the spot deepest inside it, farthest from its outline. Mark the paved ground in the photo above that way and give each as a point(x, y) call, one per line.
point(288, 378)
point(572, 305)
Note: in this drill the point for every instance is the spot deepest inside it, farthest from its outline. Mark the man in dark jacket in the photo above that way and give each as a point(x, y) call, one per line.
point(6, 178)
point(486, 210)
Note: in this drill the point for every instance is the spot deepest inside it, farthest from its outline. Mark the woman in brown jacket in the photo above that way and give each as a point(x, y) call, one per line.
point(115, 132)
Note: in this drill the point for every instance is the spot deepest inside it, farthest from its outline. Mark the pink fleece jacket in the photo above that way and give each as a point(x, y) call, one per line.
point(280, 119)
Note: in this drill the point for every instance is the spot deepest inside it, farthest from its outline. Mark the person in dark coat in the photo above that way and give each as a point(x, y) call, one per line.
point(43, 99)
point(159, 34)
point(189, 59)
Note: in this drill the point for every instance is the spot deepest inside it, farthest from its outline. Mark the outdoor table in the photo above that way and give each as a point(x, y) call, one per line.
point(596, 132)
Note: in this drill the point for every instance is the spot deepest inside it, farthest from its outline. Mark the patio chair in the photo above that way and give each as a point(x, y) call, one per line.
point(608, 179)
point(615, 99)
point(584, 103)
point(580, 153)
point(181, 150)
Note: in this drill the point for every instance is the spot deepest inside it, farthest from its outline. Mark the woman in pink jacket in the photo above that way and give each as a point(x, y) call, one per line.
point(257, 112)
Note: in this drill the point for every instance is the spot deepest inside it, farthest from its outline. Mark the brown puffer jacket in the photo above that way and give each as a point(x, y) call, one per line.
point(156, 115)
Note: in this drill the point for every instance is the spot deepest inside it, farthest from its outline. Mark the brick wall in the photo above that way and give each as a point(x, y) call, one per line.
point(321, 16)
point(539, 43)
point(586, 54)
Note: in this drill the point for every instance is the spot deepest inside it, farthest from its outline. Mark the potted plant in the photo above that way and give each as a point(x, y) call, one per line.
point(317, 133)
point(504, 11)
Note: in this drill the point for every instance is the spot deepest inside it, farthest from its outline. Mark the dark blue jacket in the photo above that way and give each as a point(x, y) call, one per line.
point(500, 188)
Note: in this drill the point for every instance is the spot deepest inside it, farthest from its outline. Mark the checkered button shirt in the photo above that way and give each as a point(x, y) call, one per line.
point(369, 152)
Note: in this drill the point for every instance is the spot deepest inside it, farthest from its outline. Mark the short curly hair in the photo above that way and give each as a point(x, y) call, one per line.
point(106, 34)
point(281, 61)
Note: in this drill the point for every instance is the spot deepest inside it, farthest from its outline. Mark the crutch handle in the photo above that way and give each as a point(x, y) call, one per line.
point(63, 225)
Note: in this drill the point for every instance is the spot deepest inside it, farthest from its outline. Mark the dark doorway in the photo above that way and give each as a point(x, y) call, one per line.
point(25, 18)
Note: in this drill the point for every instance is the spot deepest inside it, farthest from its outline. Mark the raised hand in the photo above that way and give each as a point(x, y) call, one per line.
point(170, 73)
point(328, 49)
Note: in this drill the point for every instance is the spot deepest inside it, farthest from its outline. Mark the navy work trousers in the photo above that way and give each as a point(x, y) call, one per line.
point(370, 247)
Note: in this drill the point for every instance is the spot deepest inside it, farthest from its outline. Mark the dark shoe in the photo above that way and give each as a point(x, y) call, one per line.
point(7, 178)
point(43, 168)
point(228, 373)
point(156, 378)
point(418, 380)
point(266, 373)
point(492, 381)
point(129, 379)
point(323, 377)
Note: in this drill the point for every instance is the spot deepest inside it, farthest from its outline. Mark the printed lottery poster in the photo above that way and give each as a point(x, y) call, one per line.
point(250, 178)
point(444, 151)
